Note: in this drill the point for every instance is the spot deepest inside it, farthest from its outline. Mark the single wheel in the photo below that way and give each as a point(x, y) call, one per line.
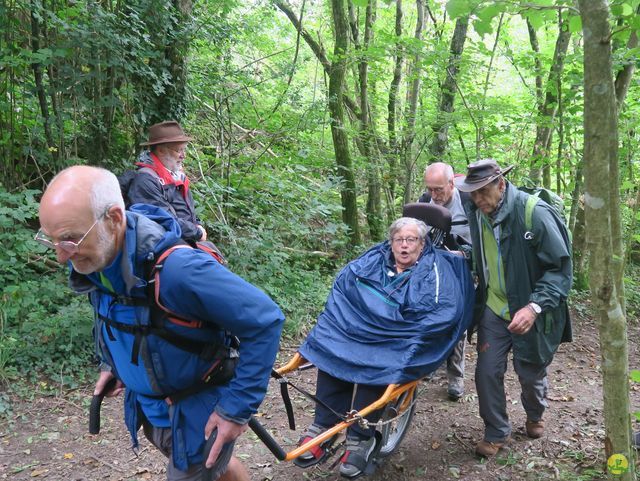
point(392, 433)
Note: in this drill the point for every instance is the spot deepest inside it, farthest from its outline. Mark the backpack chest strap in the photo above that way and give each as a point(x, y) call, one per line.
point(205, 350)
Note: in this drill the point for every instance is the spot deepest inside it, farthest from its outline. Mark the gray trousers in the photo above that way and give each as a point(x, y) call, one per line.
point(455, 361)
point(161, 439)
point(494, 344)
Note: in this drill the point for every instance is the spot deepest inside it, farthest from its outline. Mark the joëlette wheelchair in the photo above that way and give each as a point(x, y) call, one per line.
point(398, 400)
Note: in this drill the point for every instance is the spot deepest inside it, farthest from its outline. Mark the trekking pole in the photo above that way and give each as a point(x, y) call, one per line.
point(94, 409)
point(267, 439)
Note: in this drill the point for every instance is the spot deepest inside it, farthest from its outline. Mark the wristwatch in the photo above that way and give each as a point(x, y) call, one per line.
point(535, 308)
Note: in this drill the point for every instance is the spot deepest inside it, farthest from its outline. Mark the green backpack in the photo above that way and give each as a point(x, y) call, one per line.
point(535, 194)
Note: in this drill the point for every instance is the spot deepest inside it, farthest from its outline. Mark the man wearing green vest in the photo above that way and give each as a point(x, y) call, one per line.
point(522, 257)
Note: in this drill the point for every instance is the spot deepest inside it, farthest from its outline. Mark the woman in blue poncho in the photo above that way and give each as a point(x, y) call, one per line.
point(393, 315)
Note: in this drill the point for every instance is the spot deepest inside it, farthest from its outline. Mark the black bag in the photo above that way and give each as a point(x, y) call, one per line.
point(125, 179)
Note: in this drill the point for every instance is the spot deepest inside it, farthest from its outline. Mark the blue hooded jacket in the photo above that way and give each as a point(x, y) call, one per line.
point(381, 329)
point(195, 286)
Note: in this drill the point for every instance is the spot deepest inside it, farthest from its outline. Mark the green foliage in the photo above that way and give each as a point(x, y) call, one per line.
point(44, 331)
point(287, 238)
point(56, 346)
point(459, 8)
point(255, 98)
point(16, 210)
point(106, 72)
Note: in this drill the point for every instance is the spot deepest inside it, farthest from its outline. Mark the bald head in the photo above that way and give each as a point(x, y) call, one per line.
point(438, 178)
point(84, 205)
point(439, 169)
point(81, 185)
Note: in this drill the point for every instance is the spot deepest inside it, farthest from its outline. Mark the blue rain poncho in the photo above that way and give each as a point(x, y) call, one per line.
point(381, 328)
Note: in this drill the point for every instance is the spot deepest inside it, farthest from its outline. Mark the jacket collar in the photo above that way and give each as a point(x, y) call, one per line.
point(143, 239)
point(507, 204)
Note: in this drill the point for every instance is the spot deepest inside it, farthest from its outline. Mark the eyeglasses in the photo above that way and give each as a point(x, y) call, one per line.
point(69, 247)
point(181, 151)
point(409, 240)
point(437, 190)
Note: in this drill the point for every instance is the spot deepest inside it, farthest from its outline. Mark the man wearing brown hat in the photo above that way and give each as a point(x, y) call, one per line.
point(522, 256)
point(160, 180)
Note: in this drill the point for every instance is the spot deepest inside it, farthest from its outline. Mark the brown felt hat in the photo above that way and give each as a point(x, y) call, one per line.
point(166, 132)
point(480, 174)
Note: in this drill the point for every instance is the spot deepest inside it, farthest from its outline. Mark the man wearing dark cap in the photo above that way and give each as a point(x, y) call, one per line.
point(522, 257)
point(160, 180)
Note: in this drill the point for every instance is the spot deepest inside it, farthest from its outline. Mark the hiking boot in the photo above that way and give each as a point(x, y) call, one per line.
point(356, 456)
point(535, 429)
point(456, 388)
point(635, 440)
point(486, 449)
point(316, 454)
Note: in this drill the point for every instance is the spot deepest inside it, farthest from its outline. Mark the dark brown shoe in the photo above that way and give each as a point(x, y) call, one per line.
point(535, 429)
point(486, 449)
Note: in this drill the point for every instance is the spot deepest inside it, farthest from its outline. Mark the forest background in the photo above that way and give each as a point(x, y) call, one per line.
point(314, 121)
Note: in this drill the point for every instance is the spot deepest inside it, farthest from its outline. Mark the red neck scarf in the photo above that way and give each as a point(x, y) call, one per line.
point(165, 175)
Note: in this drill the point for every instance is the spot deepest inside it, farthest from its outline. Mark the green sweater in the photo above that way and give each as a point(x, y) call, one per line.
point(496, 288)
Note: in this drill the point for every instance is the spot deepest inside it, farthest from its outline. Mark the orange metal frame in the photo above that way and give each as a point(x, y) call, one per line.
point(393, 392)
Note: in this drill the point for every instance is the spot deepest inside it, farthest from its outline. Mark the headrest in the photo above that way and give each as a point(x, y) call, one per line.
point(433, 215)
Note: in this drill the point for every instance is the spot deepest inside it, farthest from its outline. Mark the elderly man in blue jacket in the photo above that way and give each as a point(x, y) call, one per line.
point(168, 365)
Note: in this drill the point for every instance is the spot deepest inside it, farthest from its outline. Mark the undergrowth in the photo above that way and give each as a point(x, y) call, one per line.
point(291, 250)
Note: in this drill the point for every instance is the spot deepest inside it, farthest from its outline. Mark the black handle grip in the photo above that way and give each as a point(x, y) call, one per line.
point(94, 409)
point(267, 439)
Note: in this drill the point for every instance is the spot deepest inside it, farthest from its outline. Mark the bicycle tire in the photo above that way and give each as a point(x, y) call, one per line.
point(393, 433)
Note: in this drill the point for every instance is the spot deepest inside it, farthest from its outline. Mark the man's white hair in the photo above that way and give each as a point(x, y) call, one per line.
point(105, 193)
point(446, 169)
point(406, 221)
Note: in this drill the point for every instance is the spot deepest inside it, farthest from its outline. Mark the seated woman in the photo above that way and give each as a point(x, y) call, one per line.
point(393, 315)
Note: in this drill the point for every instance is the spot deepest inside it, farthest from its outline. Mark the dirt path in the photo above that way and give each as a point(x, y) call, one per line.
point(47, 438)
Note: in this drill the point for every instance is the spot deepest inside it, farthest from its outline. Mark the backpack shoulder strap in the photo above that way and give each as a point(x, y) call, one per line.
point(153, 277)
point(148, 170)
point(465, 197)
point(154, 283)
point(530, 204)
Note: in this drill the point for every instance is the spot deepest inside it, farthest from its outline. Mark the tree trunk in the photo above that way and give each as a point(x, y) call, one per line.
point(176, 53)
point(623, 79)
point(575, 197)
point(412, 107)
point(316, 48)
point(576, 226)
point(340, 139)
point(535, 46)
point(633, 241)
point(392, 110)
point(622, 83)
point(374, 207)
point(547, 110)
point(601, 157)
point(38, 78)
point(480, 125)
point(55, 96)
point(99, 141)
point(441, 126)
point(560, 156)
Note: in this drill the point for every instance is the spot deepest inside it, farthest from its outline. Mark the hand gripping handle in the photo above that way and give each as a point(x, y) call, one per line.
point(94, 409)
